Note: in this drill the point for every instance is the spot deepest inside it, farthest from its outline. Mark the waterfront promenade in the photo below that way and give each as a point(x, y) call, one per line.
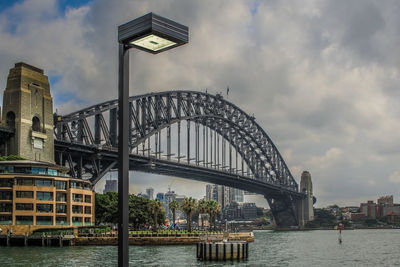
point(138, 238)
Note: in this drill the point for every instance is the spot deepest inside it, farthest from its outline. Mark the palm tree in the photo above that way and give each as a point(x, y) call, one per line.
point(213, 208)
point(155, 207)
point(202, 208)
point(173, 206)
point(189, 206)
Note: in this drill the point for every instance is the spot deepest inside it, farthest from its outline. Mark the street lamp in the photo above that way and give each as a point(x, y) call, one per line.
point(154, 34)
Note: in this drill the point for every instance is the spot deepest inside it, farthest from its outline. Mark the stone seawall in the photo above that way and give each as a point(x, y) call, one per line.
point(159, 240)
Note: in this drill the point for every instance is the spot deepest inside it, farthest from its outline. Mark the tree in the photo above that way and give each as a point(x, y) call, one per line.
point(173, 206)
point(106, 208)
point(155, 208)
point(189, 206)
point(202, 208)
point(213, 208)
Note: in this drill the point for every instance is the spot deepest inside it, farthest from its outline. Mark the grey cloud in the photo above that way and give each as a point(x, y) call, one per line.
point(319, 76)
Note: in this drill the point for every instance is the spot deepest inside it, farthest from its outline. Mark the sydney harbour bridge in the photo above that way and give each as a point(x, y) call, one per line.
point(185, 134)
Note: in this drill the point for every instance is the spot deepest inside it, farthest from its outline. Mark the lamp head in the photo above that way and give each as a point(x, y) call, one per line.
point(153, 33)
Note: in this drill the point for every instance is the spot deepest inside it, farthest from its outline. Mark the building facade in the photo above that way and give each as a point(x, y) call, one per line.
point(150, 193)
point(111, 186)
point(34, 192)
point(39, 195)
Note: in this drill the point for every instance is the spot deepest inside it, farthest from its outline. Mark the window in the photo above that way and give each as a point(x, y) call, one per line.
point(43, 182)
point(77, 209)
point(5, 195)
point(88, 221)
point(61, 208)
point(6, 182)
point(76, 185)
point(38, 171)
point(44, 195)
point(5, 219)
point(77, 220)
point(24, 194)
point(44, 220)
point(62, 197)
point(77, 197)
point(61, 185)
point(61, 220)
point(10, 119)
point(24, 206)
point(35, 124)
point(25, 181)
point(88, 199)
point(6, 169)
point(44, 208)
point(52, 172)
point(24, 220)
point(5, 207)
point(88, 210)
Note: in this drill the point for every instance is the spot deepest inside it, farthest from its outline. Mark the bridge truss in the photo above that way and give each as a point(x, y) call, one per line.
point(188, 134)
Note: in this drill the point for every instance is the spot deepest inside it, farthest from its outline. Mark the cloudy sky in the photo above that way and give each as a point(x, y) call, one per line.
point(321, 77)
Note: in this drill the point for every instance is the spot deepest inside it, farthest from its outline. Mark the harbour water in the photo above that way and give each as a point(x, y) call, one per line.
point(294, 248)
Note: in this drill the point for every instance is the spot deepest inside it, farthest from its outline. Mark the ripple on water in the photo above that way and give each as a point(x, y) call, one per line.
point(303, 248)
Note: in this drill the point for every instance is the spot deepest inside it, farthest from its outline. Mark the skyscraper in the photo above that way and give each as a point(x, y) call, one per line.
point(237, 195)
point(150, 193)
point(168, 197)
point(111, 186)
point(219, 193)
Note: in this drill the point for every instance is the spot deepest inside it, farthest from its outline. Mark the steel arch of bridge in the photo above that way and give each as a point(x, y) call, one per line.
point(153, 112)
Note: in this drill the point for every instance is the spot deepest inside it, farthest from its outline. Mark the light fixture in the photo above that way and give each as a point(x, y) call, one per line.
point(153, 42)
point(153, 33)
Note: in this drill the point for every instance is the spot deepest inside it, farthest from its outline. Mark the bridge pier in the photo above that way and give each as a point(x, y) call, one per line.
point(283, 210)
point(288, 211)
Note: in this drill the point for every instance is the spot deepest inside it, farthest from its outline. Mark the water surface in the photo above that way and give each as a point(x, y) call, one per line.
point(303, 248)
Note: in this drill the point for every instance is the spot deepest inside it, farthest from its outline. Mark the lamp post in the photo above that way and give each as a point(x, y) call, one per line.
point(154, 34)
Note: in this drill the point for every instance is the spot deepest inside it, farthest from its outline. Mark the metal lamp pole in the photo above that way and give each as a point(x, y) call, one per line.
point(153, 34)
point(123, 156)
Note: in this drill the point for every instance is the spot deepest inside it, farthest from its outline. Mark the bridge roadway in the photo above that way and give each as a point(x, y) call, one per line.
point(109, 157)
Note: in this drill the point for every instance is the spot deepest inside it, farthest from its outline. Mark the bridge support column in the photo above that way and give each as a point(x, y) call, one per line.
point(283, 208)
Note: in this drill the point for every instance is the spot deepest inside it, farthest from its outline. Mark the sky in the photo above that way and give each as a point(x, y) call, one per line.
point(321, 77)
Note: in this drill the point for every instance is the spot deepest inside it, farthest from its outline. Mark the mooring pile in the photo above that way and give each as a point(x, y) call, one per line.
point(230, 250)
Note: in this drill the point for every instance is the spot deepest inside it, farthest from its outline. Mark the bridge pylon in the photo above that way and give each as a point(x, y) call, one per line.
point(28, 113)
point(305, 209)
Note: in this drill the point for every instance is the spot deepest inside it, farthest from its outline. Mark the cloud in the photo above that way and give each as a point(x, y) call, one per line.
point(395, 177)
point(321, 77)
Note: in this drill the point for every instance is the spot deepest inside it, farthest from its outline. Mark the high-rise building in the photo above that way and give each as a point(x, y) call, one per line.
point(179, 213)
point(219, 193)
point(160, 197)
point(386, 200)
point(368, 209)
point(150, 193)
point(237, 195)
point(168, 197)
point(249, 211)
point(111, 186)
point(209, 191)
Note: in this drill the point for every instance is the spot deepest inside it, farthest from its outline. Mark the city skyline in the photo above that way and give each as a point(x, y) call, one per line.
point(324, 88)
